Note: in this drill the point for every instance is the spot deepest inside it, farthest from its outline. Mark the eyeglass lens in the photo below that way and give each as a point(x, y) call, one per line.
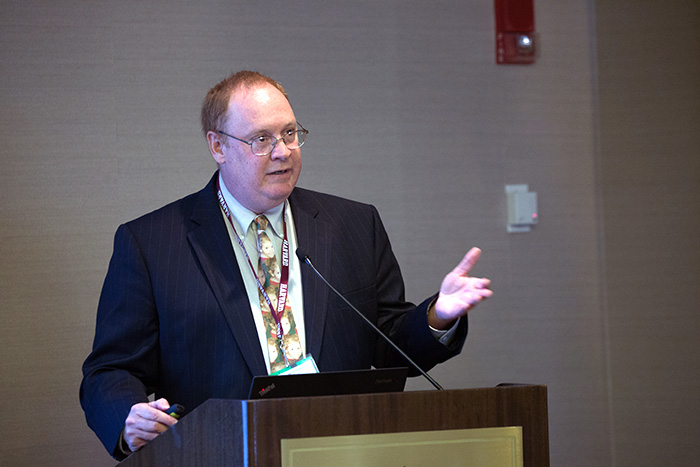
point(293, 140)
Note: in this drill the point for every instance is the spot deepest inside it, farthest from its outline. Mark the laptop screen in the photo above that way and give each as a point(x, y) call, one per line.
point(332, 383)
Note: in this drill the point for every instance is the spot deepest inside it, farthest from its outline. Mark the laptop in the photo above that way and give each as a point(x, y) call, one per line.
point(332, 383)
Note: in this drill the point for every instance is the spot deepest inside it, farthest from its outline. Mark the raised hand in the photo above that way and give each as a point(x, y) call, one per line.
point(459, 292)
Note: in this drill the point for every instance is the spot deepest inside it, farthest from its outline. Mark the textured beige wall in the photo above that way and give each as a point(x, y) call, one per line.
point(407, 110)
point(649, 67)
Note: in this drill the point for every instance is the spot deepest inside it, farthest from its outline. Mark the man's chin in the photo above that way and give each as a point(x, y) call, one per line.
point(277, 197)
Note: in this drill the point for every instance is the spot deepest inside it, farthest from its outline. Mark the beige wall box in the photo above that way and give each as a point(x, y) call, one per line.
point(522, 208)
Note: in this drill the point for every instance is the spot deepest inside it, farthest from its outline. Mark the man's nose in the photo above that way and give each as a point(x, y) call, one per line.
point(280, 151)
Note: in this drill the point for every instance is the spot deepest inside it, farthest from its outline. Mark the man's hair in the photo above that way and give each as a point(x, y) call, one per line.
point(216, 101)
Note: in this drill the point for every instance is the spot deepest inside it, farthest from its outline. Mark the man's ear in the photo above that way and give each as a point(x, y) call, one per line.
point(216, 147)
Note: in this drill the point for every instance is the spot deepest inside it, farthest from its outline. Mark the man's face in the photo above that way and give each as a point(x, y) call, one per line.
point(258, 182)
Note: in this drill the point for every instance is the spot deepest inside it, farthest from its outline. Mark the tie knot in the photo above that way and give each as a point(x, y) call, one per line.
point(261, 223)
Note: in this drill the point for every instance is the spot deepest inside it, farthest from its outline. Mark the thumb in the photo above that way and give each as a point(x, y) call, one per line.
point(468, 262)
point(160, 404)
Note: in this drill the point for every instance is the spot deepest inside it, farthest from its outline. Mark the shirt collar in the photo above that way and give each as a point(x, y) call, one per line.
point(245, 216)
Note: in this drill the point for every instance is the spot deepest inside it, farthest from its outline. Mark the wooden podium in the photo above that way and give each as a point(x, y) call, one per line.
point(249, 433)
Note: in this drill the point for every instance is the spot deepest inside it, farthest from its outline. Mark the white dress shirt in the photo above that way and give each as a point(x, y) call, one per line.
point(242, 218)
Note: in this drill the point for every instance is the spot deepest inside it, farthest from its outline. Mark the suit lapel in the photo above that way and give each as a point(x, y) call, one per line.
point(313, 237)
point(212, 246)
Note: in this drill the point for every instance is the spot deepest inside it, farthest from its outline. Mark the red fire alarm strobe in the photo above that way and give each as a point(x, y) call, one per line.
point(515, 32)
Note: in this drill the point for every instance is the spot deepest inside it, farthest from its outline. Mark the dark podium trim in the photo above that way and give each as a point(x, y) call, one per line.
point(248, 433)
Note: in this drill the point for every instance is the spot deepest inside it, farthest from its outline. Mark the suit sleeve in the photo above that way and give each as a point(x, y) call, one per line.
point(124, 359)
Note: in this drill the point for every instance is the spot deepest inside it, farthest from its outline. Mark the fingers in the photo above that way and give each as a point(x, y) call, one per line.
point(479, 294)
point(452, 306)
point(136, 439)
point(480, 286)
point(146, 421)
point(157, 413)
point(476, 292)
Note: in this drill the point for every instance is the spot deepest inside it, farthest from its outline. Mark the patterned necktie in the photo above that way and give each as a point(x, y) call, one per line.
point(287, 349)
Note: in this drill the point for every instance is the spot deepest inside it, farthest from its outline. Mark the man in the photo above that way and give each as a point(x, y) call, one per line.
point(186, 315)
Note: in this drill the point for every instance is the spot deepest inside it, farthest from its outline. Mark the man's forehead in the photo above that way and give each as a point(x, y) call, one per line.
point(260, 92)
point(259, 105)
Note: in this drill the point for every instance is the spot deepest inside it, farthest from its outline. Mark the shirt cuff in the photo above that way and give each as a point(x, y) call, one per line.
point(445, 336)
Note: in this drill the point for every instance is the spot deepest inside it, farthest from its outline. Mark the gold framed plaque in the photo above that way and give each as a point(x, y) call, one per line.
point(482, 447)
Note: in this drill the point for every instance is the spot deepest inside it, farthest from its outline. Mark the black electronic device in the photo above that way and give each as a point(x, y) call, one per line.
point(332, 383)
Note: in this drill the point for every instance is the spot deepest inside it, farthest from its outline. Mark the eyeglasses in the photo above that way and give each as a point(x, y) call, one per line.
point(263, 145)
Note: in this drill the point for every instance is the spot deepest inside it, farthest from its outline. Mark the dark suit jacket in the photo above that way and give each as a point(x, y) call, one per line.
point(174, 318)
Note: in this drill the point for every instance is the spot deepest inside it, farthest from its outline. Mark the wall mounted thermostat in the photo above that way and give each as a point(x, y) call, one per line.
point(522, 208)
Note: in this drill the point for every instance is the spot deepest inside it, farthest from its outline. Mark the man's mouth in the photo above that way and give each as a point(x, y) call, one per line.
point(279, 172)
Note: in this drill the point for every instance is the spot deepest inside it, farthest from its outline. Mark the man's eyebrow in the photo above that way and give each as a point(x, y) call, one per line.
point(267, 131)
